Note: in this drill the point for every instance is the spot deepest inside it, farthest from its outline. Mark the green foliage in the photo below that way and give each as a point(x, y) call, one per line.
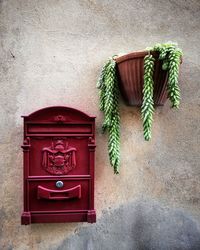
point(109, 104)
point(147, 108)
point(170, 55)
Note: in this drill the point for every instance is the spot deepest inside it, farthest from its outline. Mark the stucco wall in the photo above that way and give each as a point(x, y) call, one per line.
point(51, 54)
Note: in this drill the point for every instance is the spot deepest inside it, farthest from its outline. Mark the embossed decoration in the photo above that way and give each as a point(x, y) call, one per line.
point(59, 159)
point(59, 118)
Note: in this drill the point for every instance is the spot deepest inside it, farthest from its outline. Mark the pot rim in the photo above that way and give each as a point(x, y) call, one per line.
point(138, 54)
point(134, 55)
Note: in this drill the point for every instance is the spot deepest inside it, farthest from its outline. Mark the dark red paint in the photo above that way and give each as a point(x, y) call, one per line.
point(59, 147)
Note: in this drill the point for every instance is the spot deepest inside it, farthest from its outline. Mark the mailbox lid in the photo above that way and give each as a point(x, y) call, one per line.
point(45, 196)
point(59, 120)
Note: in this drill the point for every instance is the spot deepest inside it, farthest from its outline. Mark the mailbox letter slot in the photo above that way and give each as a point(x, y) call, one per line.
point(45, 193)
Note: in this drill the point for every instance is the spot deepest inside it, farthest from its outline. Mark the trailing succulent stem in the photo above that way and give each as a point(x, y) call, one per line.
point(170, 55)
point(109, 104)
point(147, 108)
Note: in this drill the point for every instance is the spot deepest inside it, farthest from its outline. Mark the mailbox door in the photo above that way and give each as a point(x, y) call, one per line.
point(46, 196)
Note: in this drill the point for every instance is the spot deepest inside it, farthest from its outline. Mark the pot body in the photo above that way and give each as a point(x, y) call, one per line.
point(130, 70)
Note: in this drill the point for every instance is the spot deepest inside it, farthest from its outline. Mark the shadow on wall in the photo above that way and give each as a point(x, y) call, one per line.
point(138, 225)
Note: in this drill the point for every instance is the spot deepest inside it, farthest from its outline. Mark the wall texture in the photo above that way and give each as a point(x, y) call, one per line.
point(51, 53)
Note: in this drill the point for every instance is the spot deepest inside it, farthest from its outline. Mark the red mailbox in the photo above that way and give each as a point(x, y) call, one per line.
point(59, 147)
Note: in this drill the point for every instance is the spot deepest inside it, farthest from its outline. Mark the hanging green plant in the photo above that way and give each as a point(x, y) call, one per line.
point(109, 104)
point(170, 57)
point(147, 108)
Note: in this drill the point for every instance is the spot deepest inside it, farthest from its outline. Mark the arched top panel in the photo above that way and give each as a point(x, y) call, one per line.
point(58, 114)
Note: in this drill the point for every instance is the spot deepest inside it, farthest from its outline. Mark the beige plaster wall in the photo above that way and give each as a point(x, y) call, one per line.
point(51, 53)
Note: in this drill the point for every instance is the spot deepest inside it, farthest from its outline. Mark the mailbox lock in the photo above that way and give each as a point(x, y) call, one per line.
point(59, 184)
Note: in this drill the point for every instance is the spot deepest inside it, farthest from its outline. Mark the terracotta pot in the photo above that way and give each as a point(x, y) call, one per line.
point(130, 69)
